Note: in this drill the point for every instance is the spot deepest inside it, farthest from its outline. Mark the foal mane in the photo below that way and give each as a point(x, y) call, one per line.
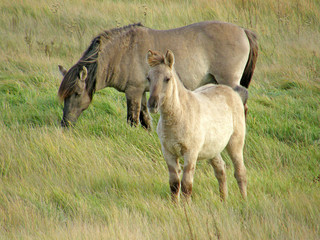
point(89, 59)
point(155, 59)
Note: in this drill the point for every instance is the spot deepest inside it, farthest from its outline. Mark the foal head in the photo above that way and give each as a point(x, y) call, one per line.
point(159, 77)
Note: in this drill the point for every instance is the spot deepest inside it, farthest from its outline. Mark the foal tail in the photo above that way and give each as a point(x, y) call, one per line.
point(243, 93)
point(253, 55)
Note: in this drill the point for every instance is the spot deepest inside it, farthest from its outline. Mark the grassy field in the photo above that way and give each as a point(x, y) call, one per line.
point(106, 180)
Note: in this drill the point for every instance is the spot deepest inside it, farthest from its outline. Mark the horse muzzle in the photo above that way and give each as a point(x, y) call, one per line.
point(153, 110)
point(66, 123)
point(153, 104)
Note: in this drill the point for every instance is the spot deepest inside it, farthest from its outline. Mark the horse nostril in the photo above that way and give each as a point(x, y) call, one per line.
point(152, 103)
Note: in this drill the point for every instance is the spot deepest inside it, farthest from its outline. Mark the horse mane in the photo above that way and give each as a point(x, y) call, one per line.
point(115, 31)
point(155, 59)
point(89, 60)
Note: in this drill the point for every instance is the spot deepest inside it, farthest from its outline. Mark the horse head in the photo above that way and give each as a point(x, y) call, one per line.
point(159, 76)
point(74, 93)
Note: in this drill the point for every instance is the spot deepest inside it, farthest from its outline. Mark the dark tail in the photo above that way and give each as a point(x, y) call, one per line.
point(253, 55)
point(243, 93)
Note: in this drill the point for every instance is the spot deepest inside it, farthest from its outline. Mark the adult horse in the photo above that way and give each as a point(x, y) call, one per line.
point(206, 52)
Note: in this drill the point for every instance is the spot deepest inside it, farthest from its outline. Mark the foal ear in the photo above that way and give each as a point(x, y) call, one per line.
point(83, 74)
point(149, 56)
point(62, 70)
point(150, 53)
point(169, 59)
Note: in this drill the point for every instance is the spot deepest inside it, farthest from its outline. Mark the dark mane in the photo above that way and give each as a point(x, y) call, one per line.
point(89, 60)
point(116, 31)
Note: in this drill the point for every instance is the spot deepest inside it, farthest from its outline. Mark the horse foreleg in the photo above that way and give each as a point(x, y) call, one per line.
point(174, 174)
point(133, 106)
point(187, 178)
point(145, 119)
point(219, 167)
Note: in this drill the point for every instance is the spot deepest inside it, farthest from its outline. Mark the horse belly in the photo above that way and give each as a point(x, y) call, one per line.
point(213, 146)
point(217, 131)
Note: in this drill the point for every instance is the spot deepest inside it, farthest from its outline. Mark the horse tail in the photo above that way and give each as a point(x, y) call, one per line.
point(243, 93)
point(253, 55)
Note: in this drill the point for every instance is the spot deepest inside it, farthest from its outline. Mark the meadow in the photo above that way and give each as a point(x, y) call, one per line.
point(103, 179)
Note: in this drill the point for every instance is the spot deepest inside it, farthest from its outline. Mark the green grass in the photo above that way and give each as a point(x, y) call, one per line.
point(106, 180)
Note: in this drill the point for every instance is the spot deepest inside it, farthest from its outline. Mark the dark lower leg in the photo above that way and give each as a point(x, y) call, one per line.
point(175, 188)
point(187, 181)
point(133, 110)
point(186, 189)
point(145, 119)
point(174, 178)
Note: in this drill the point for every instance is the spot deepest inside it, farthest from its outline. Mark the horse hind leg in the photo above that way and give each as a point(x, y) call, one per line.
point(235, 151)
point(219, 167)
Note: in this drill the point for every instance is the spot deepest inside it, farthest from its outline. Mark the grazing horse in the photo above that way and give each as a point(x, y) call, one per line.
point(196, 125)
point(206, 52)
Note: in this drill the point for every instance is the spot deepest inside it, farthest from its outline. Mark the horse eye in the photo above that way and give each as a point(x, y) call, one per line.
point(148, 79)
point(167, 79)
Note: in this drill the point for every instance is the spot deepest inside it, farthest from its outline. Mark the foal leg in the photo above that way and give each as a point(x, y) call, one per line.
point(133, 96)
point(174, 174)
point(219, 167)
point(188, 173)
point(235, 150)
point(145, 119)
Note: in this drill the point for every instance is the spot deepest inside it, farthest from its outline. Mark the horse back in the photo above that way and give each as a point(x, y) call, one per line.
point(222, 95)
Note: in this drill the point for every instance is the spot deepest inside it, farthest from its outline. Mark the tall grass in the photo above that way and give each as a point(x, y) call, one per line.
point(106, 180)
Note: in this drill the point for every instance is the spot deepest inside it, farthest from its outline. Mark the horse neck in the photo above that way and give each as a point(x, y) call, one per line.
point(110, 61)
point(173, 104)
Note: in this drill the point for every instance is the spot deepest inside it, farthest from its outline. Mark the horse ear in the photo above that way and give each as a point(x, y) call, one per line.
point(83, 74)
point(169, 59)
point(149, 55)
point(62, 70)
point(81, 83)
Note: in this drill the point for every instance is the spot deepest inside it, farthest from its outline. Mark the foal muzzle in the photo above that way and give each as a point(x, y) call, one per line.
point(153, 104)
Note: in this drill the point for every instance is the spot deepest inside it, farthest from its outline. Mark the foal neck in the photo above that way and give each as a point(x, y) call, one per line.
point(173, 104)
